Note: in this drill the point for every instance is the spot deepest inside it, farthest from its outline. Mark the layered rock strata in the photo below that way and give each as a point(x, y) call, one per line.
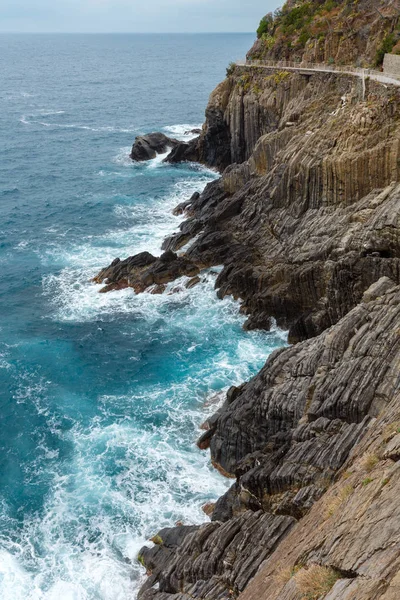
point(285, 435)
point(305, 221)
point(307, 218)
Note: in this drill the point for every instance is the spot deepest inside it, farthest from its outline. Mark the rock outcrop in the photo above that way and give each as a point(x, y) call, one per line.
point(148, 146)
point(310, 219)
point(144, 271)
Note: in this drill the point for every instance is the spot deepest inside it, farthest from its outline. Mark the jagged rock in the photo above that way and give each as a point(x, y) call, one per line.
point(188, 562)
point(286, 434)
point(145, 271)
point(118, 274)
point(185, 206)
point(184, 152)
point(148, 146)
point(353, 528)
point(305, 231)
point(193, 282)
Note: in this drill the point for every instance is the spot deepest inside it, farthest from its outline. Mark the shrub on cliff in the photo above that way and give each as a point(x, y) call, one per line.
point(230, 69)
point(316, 581)
point(266, 25)
point(386, 47)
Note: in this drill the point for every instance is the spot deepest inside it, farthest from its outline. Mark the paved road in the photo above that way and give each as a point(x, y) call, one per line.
point(320, 68)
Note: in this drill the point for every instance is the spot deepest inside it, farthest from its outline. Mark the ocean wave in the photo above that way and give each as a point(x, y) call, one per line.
point(132, 468)
point(182, 132)
point(9, 191)
point(70, 290)
point(35, 119)
point(86, 542)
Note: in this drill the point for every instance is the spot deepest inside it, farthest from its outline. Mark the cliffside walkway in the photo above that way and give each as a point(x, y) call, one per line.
point(310, 68)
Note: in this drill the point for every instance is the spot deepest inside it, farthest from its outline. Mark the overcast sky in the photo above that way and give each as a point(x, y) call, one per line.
point(133, 15)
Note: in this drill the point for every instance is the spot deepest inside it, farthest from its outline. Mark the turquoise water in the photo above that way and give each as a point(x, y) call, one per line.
point(102, 395)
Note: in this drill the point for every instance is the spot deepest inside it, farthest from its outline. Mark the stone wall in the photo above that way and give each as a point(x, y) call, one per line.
point(391, 64)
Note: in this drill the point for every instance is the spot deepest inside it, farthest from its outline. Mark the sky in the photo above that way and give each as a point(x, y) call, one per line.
point(142, 16)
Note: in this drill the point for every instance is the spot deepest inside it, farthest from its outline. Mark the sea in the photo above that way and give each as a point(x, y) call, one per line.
point(102, 395)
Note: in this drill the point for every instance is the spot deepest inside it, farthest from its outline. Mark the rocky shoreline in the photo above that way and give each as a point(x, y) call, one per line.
point(305, 220)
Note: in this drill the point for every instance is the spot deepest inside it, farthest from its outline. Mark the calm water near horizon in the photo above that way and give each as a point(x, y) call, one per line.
point(102, 395)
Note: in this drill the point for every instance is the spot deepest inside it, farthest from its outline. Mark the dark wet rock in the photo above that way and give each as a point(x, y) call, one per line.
point(148, 146)
point(118, 274)
point(188, 563)
point(167, 268)
point(188, 229)
point(193, 282)
point(195, 131)
point(185, 206)
point(285, 435)
point(184, 152)
point(145, 271)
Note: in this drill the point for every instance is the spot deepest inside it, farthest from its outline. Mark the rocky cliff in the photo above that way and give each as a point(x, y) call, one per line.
point(305, 220)
point(343, 32)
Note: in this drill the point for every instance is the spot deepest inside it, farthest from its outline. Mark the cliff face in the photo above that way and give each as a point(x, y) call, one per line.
point(301, 225)
point(305, 220)
point(306, 223)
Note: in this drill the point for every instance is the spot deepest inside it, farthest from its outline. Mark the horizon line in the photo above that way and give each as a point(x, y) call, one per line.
point(128, 32)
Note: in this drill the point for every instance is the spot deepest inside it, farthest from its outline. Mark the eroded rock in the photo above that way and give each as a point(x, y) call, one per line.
point(285, 435)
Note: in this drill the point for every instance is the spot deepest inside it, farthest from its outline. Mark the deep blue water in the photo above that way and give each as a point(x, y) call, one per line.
point(102, 395)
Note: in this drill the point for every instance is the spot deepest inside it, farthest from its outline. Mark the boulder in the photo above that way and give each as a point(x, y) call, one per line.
point(148, 146)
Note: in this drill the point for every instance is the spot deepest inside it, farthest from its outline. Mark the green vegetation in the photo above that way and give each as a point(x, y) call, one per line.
point(245, 82)
point(316, 581)
point(230, 69)
point(367, 481)
point(292, 26)
point(157, 540)
point(386, 47)
point(286, 33)
point(278, 77)
point(266, 25)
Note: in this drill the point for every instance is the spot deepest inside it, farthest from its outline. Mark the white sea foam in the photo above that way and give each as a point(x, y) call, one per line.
point(85, 543)
point(182, 132)
point(71, 291)
point(122, 158)
point(134, 467)
point(158, 160)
